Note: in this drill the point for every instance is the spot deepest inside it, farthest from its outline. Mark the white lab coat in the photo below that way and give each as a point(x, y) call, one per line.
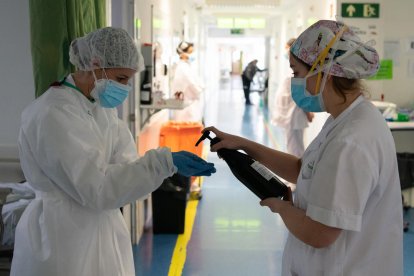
point(286, 114)
point(82, 162)
point(349, 180)
point(186, 81)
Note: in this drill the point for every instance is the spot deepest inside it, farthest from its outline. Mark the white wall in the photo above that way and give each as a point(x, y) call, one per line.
point(16, 78)
point(398, 27)
point(395, 25)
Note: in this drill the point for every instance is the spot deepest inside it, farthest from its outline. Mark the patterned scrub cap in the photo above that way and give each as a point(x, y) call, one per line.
point(353, 59)
point(106, 48)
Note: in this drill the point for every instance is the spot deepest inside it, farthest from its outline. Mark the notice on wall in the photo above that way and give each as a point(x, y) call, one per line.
point(409, 45)
point(385, 70)
point(368, 33)
point(392, 51)
point(411, 68)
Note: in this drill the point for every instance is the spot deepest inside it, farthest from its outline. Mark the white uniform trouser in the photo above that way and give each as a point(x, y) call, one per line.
point(294, 142)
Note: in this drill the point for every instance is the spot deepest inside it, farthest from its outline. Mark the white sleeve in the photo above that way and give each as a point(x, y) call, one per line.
point(343, 180)
point(124, 146)
point(72, 157)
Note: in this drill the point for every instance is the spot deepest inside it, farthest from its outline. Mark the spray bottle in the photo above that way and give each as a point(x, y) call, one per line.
point(255, 176)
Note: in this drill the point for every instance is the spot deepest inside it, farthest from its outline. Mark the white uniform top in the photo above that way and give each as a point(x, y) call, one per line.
point(187, 82)
point(285, 112)
point(349, 180)
point(83, 164)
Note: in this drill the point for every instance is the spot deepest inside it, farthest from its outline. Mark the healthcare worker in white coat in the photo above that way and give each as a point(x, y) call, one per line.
point(346, 218)
point(185, 81)
point(83, 164)
point(289, 116)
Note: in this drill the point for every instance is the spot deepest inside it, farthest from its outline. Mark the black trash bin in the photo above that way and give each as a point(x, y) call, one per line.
point(168, 205)
point(406, 169)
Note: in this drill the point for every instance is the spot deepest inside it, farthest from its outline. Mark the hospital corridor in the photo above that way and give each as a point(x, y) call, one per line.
point(206, 137)
point(230, 233)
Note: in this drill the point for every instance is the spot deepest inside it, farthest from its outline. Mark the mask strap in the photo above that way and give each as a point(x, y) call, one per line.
point(105, 73)
point(94, 76)
point(323, 54)
point(350, 52)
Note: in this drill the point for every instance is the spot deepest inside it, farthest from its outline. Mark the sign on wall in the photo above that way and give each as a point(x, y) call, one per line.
point(360, 10)
point(384, 71)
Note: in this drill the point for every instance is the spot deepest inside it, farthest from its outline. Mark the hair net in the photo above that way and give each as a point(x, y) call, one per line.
point(352, 58)
point(106, 48)
point(184, 46)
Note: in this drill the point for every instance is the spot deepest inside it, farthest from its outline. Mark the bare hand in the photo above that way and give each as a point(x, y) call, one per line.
point(275, 204)
point(228, 141)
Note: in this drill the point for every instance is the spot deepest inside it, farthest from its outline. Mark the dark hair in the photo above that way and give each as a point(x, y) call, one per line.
point(290, 42)
point(184, 46)
point(343, 86)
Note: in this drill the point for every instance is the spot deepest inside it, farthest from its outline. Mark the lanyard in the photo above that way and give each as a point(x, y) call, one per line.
point(68, 84)
point(65, 83)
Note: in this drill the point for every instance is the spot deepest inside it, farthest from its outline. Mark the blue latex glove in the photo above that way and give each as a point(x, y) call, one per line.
point(189, 164)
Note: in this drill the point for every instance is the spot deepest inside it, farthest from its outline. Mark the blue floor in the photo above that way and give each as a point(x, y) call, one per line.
point(232, 233)
point(409, 243)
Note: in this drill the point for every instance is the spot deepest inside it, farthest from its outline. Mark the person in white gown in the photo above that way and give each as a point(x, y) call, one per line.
point(187, 82)
point(289, 116)
point(82, 162)
point(346, 217)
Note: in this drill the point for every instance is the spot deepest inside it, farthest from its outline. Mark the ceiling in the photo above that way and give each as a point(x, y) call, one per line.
point(242, 3)
point(252, 8)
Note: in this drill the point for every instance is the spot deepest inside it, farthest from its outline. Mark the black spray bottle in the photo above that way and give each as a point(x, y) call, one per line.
point(259, 179)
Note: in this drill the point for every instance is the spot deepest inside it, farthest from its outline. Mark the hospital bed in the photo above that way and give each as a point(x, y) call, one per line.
point(10, 172)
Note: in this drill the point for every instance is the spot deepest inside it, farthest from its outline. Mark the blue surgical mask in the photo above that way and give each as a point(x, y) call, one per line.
point(304, 99)
point(109, 93)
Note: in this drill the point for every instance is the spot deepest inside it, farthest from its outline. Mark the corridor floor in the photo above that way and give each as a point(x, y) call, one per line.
point(232, 234)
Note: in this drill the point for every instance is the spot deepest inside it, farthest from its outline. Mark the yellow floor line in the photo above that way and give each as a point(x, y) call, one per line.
point(180, 250)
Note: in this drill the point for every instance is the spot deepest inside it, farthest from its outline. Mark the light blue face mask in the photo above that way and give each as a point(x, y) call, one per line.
point(304, 99)
point(109, 93)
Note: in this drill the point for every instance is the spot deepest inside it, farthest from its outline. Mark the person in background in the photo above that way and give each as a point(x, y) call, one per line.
point(247, 78)
point(186, 81)
point(289, 116)
point(82, 162)
point(346, 218)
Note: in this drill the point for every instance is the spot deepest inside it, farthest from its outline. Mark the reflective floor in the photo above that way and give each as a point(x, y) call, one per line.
point(232, 234)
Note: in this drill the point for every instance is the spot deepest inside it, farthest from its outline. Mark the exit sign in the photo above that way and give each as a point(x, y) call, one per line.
point(237, 31)
point(360, 10)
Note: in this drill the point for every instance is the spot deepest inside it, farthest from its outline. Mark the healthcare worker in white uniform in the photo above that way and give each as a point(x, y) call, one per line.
point(289, 116)
point(82, 162)
point(346, 218)
point(187, 82)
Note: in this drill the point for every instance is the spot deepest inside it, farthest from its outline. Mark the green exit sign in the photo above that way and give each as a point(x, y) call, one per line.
point(237, 31)
point(360, 10)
